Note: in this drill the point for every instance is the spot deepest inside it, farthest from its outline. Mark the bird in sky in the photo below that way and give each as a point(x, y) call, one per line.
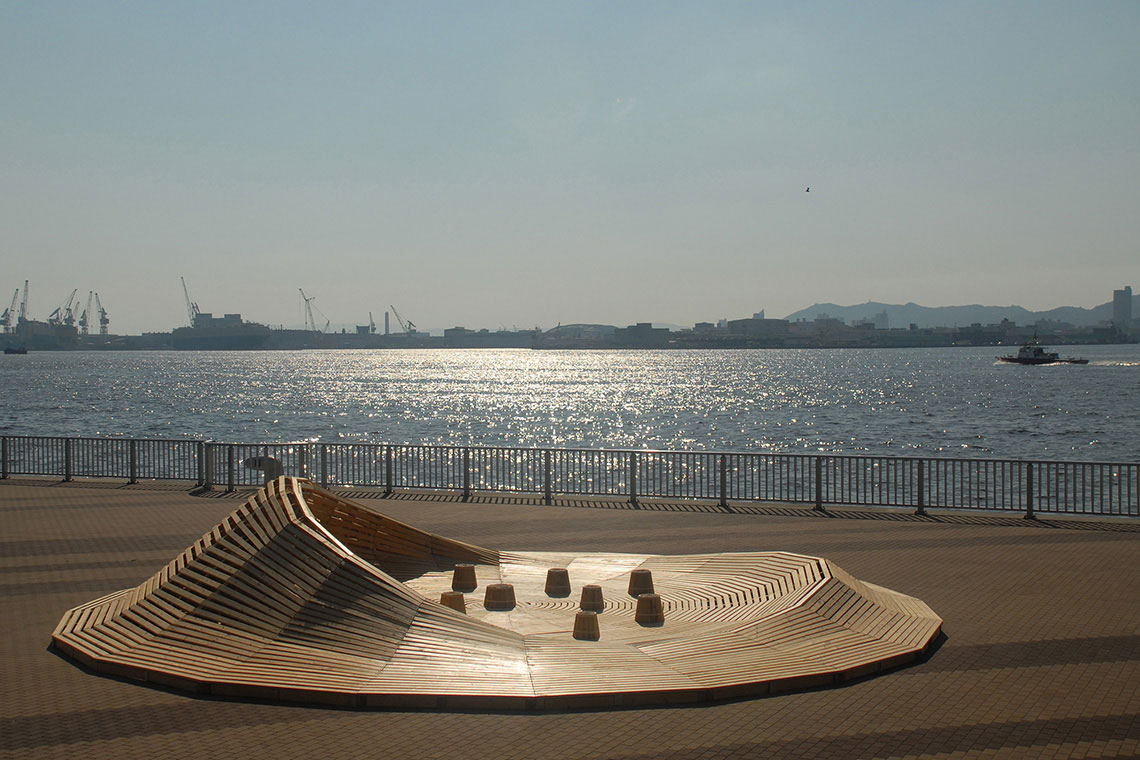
point(808, 190)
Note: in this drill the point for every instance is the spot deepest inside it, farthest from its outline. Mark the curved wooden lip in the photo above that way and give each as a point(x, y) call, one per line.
point(302, 596)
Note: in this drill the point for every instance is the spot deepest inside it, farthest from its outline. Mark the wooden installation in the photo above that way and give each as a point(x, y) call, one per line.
point(302, 596)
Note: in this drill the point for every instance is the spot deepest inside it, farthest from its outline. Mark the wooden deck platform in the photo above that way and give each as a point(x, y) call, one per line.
point(300, 595)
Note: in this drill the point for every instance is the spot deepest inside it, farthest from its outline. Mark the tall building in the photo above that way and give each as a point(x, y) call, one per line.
point(1122, 307)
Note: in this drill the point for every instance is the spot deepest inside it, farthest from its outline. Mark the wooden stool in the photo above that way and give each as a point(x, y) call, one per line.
point(586, 626)
point(640, 582)
point(499, 596)
point(592, 599)
point(557, 582)
point(454, 600)
point(650, 610)
point(463, 579)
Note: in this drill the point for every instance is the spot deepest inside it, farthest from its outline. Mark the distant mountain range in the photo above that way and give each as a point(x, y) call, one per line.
point(902, 315)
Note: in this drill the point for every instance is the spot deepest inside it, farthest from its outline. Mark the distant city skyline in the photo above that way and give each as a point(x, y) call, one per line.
point(514, 165)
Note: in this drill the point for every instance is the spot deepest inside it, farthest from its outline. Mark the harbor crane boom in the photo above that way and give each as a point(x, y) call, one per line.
point(69, 312)
point(9, 313)
point(85, 317)
point(407, 326)
point(191, 307)
point(309, 323)
point(104, 320)
point(59, 314)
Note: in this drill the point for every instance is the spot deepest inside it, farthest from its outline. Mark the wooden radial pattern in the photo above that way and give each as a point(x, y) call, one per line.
point(303, 596)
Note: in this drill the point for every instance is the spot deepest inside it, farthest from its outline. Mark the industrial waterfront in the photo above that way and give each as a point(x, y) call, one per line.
point(72, 326)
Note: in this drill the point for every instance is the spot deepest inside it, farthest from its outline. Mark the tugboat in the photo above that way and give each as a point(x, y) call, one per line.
point(1031, 352)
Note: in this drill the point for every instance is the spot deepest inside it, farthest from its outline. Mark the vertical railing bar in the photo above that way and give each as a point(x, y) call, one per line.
point(633, 478)
point(1100, 501)
point(387, 469)
point(818, 484)
point(466, 473)
point(230, 468)
point(1083, 482)
point(547, 490)
point(921, 497)
point(1029, 491)
point(723, 481)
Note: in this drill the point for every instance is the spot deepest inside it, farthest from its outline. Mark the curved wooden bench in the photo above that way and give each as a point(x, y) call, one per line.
point(300, 595)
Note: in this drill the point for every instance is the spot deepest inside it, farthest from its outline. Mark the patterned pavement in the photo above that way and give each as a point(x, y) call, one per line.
point(1041, 656)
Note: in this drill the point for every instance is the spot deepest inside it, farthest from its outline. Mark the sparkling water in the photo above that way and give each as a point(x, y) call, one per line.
point(948, 401)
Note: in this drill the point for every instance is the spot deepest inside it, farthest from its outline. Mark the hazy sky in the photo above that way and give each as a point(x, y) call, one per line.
point(487, 164)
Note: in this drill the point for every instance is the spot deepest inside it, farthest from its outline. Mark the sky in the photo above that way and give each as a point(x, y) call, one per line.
point(529, 164)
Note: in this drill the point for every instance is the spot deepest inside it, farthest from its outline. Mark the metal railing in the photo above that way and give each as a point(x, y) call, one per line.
point(1009, 485)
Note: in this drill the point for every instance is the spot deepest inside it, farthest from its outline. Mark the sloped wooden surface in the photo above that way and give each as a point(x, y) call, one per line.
point(301, 595)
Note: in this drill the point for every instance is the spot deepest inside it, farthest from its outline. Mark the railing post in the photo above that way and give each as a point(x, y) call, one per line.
point(67, 459)
point(303, 460)
point(132, 461)
point(1029, 491)
point(201, 447)
point(633, 478)
point(547, 491)
point(818, 484)
point(921, 488)
point(4, 458)
point(324, 465)
point(466, 473)
point(230, 468)
point(387, 469)
point(209, 455)
point(723, 481)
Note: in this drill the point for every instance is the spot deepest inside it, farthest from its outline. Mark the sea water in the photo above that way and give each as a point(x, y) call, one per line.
point(944, 401)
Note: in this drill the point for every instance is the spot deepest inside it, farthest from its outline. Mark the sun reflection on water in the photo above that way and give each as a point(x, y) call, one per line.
point(907, 401)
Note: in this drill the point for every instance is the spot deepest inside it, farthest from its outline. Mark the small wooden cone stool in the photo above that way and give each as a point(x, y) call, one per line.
point(650, 610)
point(592, 599)
point(640, 582)
point(500, 596)
point(463, 579)
point(454, 600)
point(557, 582)
point(586, 626)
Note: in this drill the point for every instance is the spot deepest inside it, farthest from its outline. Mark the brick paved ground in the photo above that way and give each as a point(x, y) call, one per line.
point(1041, 659)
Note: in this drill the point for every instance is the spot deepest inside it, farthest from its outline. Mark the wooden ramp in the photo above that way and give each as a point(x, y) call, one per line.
point(303, 596)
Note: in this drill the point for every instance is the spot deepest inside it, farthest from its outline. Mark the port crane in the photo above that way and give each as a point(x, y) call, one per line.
point(407, 326)
point(84, 318)
point(104, 320)
point(62, 313)
point(69, 312)
point(192, 311)
point(9, 313)
point(310, 323)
